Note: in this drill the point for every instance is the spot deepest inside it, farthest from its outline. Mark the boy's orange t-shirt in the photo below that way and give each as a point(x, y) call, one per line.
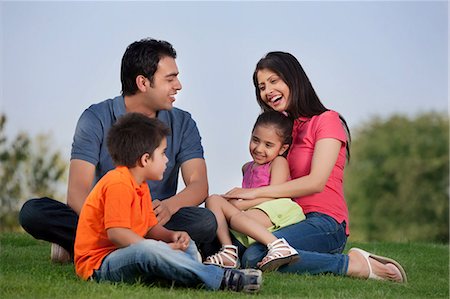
point(115, 201)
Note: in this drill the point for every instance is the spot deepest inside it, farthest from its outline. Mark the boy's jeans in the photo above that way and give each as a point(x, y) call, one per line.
point(151, 260)
point(319, 240)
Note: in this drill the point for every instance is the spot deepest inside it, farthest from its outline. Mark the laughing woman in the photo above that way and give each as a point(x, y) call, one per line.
point(316, 160)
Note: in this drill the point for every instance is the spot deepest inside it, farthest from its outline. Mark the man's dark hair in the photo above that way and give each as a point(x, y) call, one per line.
point(142, 58)
point(133, 135)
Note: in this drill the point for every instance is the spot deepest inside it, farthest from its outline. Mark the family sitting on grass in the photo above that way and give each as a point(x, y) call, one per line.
point(290, 214)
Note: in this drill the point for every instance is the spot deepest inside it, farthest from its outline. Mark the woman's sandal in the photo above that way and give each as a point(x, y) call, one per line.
point(280, 253)
point(384, 260)
point(229, 252)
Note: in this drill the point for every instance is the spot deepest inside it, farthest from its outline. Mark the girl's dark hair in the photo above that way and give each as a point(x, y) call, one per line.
point(133, 135)
point(283, 125)
point(142, 58)
point(303, 100)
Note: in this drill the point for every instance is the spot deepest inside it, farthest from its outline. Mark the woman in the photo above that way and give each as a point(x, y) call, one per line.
point(316, 160)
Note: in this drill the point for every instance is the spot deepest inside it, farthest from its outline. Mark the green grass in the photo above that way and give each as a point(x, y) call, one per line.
point(26, 272)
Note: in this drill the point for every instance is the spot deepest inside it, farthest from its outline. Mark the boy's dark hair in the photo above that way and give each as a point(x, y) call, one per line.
point(142, 58)
point(283, 125)
point(133, 135)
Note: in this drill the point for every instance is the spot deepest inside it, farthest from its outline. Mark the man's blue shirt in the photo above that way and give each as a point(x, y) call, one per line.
point(89, 142)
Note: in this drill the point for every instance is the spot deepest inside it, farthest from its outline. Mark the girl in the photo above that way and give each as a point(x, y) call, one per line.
point(316, 161)
point(271, 136)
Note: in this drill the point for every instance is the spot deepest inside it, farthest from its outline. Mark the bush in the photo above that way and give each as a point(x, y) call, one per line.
point(397, 184)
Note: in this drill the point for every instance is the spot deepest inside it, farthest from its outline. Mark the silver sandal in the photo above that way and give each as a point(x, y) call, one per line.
point(229, 252)
point(277, 255)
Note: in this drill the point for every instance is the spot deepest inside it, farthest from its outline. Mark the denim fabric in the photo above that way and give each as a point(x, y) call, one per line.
point(53, 221)
point(151, 260)
point(319, 240)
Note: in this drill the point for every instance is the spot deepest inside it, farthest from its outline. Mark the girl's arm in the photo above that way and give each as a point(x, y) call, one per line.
point(324, 158)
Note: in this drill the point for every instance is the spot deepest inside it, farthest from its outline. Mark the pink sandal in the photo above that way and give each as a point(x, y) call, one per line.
point(280, 253)
point(229, 252)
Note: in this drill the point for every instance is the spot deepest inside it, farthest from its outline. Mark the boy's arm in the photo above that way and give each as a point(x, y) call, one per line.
point(175, 239)
point(123, 237)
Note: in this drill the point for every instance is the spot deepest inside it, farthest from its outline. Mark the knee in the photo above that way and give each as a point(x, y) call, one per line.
point(28, 215)
point(213, 200)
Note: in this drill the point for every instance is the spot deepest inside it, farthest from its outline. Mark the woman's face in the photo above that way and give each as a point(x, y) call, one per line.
point(273, 90)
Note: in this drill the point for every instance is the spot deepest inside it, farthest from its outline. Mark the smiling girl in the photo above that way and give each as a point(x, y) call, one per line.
point(270, 140)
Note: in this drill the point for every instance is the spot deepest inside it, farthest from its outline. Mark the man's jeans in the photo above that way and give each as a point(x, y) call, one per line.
point(319, 240)
point(150, 260)
point(53, 221)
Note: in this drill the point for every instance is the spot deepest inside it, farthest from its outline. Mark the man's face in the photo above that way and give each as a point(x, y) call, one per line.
point(165, 85)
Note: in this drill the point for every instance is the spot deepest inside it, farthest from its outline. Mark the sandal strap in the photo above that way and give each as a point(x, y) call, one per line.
point(280, 248)
point(230, 252)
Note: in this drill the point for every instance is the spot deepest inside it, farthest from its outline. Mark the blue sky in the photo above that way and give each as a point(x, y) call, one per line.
point(364, 59)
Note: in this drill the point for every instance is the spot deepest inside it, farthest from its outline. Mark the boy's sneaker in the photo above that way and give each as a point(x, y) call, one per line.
point(243, 280)
point(59, 255)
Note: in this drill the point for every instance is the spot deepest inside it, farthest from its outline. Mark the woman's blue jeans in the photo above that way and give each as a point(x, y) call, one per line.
point(150, 260)
point(319, 240)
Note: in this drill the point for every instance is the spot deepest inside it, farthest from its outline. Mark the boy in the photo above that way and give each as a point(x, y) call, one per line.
point(118, 236)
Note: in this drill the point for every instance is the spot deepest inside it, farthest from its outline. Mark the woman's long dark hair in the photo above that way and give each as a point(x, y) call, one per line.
point(303, 98)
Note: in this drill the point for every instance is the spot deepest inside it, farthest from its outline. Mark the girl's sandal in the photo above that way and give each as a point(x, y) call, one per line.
point(228, 252)
point(280, 253)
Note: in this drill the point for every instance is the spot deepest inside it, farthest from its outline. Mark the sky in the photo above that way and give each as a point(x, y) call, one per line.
point(364, 59)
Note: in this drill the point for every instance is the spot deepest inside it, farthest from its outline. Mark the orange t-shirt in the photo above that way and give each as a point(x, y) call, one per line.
point(115, 201)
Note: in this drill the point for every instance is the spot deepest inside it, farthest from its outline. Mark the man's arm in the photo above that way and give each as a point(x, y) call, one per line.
point(194, 175)
point(81, 177)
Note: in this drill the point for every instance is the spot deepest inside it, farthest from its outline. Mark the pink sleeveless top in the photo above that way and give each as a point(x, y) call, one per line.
point(256, 175)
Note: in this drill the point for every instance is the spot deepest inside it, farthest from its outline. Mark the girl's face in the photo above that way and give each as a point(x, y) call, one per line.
point(265, 144)
point(273, 90)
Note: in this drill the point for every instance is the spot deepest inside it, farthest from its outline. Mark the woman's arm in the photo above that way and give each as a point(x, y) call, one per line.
point(324, 158)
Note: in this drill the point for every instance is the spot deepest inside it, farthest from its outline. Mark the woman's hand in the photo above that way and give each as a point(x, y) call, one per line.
point(241, 193)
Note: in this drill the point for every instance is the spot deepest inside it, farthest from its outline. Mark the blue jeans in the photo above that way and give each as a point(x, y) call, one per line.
point(50, 220)
point(150, 260)
point(319, 240)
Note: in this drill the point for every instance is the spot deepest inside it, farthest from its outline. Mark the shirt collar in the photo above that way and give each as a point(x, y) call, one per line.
point(119, 106)
point(140, 189)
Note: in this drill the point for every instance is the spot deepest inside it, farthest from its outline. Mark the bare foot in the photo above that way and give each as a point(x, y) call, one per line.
point(358, 267)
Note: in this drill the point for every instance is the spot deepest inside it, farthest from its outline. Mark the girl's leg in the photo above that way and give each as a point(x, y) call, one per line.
point(259, 216)
point(227, 256)
point(227, 213)
point(215, 203)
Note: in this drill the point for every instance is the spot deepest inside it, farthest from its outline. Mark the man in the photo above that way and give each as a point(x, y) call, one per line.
point(149, 76)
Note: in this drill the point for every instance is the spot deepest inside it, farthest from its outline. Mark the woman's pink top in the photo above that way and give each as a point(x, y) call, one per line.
point(306, 132)
point(256, 175)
